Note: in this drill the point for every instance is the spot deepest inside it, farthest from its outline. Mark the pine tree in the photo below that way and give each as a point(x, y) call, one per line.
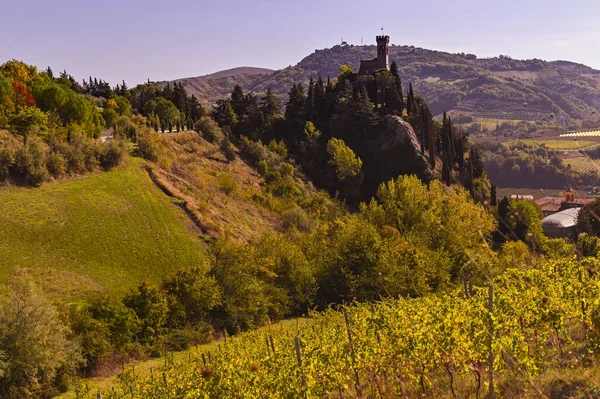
point(238, 102)
point(50, 73)
point(124, 89)
point(270, 106)
point(224, 114)
point(196, 110)
point(295, 108)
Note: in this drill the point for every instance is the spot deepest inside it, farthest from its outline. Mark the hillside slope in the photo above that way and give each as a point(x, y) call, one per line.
point(216, 194)
point(101, 234)
point(500, 87)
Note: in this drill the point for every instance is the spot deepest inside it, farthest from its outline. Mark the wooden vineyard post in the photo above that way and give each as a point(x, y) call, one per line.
point(491, 335)
point(583, 307)
point(204, 359)
point(99, 395)
point(299, 359)
point(356, 379)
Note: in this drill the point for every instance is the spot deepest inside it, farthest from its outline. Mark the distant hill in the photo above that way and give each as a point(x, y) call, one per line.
point(499, 88)
point(215, 86)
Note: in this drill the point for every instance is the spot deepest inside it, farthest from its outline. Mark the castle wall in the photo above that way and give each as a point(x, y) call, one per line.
point(368, 66)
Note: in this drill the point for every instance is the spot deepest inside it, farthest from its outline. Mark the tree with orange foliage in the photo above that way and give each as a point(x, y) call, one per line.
point(23, 98)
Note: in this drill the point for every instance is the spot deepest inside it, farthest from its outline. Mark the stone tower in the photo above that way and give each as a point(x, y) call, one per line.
point(383, 57)
point(383, 52)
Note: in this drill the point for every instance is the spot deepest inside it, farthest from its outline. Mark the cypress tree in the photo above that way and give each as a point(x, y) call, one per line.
point(320, 100)
point(310, 101)
point(425, 123)
point(493, 195)
point(394, 69)
point(446, 158)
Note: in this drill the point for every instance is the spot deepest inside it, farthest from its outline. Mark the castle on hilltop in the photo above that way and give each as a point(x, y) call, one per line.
point(383, 57)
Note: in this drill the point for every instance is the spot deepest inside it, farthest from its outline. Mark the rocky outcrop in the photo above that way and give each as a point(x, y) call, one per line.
point(395, 152)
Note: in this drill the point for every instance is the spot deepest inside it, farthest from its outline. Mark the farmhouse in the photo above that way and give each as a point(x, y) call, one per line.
point(551, 205)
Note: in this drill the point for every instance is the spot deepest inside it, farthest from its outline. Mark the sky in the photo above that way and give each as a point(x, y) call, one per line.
point(136, 40)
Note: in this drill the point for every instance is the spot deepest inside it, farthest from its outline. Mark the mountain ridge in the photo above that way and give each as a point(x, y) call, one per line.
point(499, 87)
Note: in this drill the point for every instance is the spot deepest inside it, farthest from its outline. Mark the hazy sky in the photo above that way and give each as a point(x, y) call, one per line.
point(167, 39)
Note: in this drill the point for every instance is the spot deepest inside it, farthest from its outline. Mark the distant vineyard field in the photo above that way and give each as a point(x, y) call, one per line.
point(565, 145)
point(583, 164)
point(594, 133)
point(491, 123)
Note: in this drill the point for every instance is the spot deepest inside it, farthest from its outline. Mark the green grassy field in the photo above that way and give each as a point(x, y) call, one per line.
point(97, 234)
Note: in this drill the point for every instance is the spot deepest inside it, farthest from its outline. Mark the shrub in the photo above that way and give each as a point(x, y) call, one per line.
point(35, 342)
point(228, 150)
point(298, 219)
point(209, 129)
point(262, 168)
point(30, 162)
point(227, 183)
point(149, 144)
point(150, 306)
point(279, 148)
point(57, 164)
point(588, 245)
point(287, 169)
point(180, 340)
point(80, 153)
point(258, 152)
point(9, 146)
point(114, 153)
point(122, 322)
point(195, 295)
point(93, 336)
